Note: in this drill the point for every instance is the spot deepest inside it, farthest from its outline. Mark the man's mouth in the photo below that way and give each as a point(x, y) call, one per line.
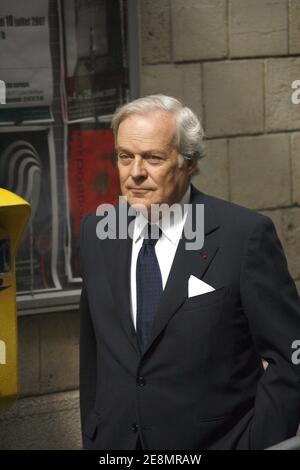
point(139, 190)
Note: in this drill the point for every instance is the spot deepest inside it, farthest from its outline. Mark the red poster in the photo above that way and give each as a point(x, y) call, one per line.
point(92, 180)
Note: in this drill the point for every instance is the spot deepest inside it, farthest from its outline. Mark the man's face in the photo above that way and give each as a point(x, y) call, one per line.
point(148, 160)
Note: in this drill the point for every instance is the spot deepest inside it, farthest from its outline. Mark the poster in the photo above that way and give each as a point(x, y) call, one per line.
point(27, 168)
point(92, 179)
point(94, 67)
point(25, 62)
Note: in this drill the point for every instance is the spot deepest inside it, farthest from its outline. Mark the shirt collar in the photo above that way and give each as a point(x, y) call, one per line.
point(171, 226)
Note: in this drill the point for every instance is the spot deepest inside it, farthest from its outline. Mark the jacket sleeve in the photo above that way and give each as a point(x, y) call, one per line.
point(88, 352)
point(272, 306)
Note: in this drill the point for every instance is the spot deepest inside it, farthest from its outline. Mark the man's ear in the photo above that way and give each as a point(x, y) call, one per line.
point(191, 165)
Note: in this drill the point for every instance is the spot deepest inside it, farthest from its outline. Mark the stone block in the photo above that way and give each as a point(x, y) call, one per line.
point(155, 31)
point(29, 357)
point(233, 98)
point(258, 28)
point(59, 335)
point(260, 171)
point(294, 26)
point(199, 29)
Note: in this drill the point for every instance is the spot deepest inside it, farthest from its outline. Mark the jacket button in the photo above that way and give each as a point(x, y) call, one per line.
point(135, 427)
point(141, 381)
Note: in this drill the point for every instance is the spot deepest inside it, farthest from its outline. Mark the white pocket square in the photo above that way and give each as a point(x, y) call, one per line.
point(198, 287)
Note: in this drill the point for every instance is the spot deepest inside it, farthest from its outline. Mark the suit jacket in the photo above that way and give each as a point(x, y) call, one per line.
point(200, 384)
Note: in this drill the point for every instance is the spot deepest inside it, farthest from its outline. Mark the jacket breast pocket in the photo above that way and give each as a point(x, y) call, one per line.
point(201, 326)
point(206, 300)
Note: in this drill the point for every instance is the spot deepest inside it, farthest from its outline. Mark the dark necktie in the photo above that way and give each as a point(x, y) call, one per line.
point(148, 287)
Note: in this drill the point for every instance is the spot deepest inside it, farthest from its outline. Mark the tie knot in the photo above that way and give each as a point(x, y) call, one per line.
point(153, 233)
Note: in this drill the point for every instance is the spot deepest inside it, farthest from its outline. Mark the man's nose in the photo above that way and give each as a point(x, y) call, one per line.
point(138, 168)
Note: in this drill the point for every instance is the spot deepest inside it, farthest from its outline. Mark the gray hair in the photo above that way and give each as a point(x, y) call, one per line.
point(190, 134)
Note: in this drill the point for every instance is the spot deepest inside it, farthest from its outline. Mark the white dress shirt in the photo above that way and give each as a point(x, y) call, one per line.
point(165, 247)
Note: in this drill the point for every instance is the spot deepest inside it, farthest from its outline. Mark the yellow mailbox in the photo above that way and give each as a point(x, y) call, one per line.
point(14, 214)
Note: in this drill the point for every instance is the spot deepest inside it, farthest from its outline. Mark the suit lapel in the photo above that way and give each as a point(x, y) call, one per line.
point(118, 265)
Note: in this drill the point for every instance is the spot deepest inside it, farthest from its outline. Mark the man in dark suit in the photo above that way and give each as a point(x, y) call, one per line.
point(172, 338)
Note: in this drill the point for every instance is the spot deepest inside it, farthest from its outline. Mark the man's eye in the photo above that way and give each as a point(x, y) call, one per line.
point(154, 158)
point(124, 157)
